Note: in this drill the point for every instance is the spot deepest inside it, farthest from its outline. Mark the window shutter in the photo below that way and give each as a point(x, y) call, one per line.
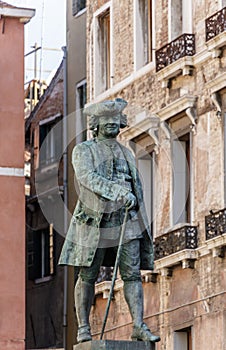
point(179, 182)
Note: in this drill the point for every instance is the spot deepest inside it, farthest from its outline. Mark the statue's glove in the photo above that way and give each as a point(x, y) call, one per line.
point(129, 200)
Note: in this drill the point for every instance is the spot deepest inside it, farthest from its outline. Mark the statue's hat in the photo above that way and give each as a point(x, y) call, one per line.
point(106, 108)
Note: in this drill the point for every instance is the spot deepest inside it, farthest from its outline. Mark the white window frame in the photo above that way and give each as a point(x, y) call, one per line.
point(186, 25)
point(98, 87)
point(139, 59)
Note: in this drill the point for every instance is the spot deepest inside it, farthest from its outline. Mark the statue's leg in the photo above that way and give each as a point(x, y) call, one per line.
point(84, 294)
point(133, 290)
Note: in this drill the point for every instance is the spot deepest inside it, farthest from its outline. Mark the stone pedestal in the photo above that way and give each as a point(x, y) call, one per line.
point(114, 345)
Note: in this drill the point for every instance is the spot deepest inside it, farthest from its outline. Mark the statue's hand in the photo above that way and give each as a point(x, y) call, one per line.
point(129, 200)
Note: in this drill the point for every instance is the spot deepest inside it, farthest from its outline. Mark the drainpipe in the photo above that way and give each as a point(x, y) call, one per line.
point(65, 184)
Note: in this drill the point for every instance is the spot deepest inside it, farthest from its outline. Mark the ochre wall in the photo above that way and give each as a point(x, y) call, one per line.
point(12, 213)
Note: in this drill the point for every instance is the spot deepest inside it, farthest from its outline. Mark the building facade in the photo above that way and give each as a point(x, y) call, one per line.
point(168, 59)
point(75, 99)
point(12, 216)
point(45, 218)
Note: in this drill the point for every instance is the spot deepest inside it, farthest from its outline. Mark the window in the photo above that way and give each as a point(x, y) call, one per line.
point(181, 179)
point(183, 339)
point(180, 18)
point(143, 33)
point(77, 6)
point(40, 253)
point(80, 118)
point(81, 95)
point(145, 167)
point(102, 52)
point(224, 131)
point(50, 141)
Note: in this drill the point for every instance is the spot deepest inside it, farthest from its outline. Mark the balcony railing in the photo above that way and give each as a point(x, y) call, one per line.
point(216, 24)
point(182, 46)
point(172, 242)
point(215, 224)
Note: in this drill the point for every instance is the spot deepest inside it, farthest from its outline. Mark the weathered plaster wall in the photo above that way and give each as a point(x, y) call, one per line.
point(12, 230)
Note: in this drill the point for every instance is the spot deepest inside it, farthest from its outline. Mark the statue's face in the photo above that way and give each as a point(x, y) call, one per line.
point(109, 126)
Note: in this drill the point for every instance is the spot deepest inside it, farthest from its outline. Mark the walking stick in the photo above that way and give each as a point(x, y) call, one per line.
point(114, 273)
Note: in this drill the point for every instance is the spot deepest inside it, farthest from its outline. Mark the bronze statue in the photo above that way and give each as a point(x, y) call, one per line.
point(108, 184)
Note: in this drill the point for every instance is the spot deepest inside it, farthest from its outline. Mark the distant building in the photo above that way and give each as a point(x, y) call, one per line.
point(76, 93)
point(45, 218)
point(32, 95)
point(168, 60)
point(12, 202)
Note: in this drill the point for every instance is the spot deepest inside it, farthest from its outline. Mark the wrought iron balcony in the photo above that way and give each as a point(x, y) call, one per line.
point(215, 224)
point(216, 24)
point(182, 46)
point(174, 241)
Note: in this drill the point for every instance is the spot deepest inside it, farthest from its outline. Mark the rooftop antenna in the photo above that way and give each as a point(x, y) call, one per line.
point(42, 31)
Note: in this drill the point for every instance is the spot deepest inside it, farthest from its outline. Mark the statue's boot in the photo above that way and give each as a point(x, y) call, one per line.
point(84, 293)
point(133, 292)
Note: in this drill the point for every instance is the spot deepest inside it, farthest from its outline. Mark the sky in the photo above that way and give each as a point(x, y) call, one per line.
point(48, 29)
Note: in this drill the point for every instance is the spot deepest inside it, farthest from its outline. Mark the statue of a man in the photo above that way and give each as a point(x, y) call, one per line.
point(108, 183)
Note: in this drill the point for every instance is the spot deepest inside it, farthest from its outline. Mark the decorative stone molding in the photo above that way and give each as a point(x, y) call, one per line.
point(217, 84)
point(103, 288)
point(149, 125)
point(192, 115)
point(149, 276)
point(186, 103)
point(185, 257)
point(215, 246)
point(216, 99)
point(183, 66)
point(166, 272)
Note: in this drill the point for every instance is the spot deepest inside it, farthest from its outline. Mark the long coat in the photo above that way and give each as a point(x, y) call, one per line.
point(93, 166)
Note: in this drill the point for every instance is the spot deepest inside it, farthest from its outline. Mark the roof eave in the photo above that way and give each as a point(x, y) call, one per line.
point(24, 14)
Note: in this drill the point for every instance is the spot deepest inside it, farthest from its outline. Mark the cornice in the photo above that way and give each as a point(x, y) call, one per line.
point(24, 14)
point(177, 106)
point(217, 83)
